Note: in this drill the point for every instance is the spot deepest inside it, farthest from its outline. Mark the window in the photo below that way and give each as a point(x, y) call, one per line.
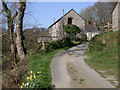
point(70, 21)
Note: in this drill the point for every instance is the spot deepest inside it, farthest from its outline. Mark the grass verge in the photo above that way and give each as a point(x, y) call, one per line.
point(40, 62)
point(103, 54)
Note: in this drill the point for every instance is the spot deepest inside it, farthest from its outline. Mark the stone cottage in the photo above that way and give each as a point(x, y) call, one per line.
point(91, 31)
point(70, 18)
point(116, 17)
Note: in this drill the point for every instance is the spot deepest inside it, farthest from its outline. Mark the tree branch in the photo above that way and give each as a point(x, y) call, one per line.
point(15, 15)
point(5, 8)
point(1, 11)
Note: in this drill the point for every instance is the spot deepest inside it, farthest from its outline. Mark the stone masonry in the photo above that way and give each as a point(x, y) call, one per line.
point(116, 17)
point(56, 29)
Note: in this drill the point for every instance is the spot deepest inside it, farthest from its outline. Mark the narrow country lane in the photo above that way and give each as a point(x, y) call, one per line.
point(69, 70)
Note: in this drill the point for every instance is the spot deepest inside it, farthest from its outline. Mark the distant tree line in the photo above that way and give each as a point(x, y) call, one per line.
point(100, 13)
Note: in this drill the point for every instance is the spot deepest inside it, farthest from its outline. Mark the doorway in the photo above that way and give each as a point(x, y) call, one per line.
point(70, 21)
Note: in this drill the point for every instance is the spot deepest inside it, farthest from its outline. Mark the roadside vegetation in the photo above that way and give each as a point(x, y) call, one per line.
point(103, 54)
point(39, 61)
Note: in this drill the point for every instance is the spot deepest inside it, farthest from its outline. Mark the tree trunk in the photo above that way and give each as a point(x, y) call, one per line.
point(19, 27)
point(13, 53)
point(11, 30)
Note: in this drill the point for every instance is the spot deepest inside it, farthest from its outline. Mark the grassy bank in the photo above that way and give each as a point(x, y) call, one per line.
point(39, 62)
point(39, 75)
point(103, 54)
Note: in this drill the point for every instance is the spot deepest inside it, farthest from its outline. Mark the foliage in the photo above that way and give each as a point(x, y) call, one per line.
point(71, 29)
point(59, 44)
point(84, 39)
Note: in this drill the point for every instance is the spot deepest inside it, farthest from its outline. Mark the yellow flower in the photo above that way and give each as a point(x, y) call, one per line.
point(38, 72)
point(34, 76)
point(31, 79)
point(23, 84)
point(28, 77)
point(31, 72)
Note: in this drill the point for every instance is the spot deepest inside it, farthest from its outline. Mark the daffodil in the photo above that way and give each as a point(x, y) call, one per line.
point(28, 77)
point(34, 76)
point(38, 72)
point(23, 84)
point(31, 72)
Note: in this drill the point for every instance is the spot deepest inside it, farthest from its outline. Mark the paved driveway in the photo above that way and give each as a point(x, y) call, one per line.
point(69, 70)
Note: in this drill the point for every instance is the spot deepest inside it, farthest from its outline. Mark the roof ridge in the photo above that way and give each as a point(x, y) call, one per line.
point(115, 6)
point(65, 15)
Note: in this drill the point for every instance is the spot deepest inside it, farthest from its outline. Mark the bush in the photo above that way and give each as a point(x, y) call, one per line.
point(72, 30)
point(104, 41)
point(81, 39)
point(59, 44)
point(96, 44)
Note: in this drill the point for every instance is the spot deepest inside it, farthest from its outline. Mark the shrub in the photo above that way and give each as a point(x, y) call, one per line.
point(59, 44)
point(96, 44)
point(104, 41)
point(81, 39)
point(72, 30)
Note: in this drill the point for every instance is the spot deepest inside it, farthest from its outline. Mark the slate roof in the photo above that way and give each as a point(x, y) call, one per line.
point(65, 15)
point(91, 28)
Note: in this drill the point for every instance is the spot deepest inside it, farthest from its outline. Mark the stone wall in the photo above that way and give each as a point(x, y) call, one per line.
point(116, 18)
point(119, 16)
point(57, 28)
point(77, 20)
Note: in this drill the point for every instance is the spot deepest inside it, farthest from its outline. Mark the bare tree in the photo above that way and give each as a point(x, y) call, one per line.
point(19, 27)
point(10, 20)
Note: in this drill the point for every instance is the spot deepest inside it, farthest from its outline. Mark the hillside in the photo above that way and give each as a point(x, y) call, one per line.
point(103, 55)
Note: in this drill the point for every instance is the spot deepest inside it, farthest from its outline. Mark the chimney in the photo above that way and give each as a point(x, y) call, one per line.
point(63, 12)
point(54, 19)
point(94, 24)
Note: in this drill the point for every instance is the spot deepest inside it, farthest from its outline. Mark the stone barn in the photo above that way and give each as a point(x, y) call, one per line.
point(70, 18)
point(116, 17)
